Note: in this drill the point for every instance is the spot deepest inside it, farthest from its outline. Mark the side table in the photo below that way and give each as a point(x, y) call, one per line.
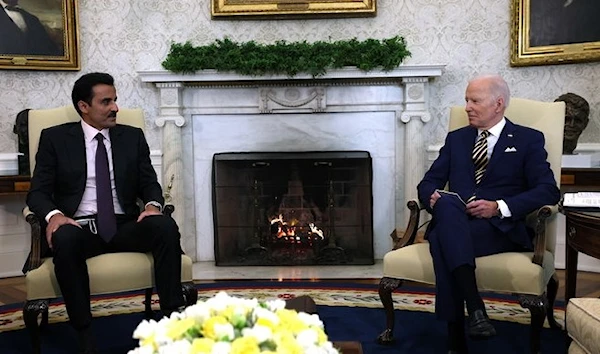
point(14, 185)
point(582, 235)
point(348, 347)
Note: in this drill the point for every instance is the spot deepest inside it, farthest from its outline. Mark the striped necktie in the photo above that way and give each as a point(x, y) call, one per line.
point(480, 159)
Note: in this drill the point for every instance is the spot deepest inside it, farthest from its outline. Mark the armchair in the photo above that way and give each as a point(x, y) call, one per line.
point(109, 273)
point(529, 275)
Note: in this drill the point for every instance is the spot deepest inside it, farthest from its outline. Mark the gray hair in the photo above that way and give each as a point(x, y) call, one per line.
point(498, 87)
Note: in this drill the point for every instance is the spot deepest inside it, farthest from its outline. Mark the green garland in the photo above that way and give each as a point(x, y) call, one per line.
point(251, 58)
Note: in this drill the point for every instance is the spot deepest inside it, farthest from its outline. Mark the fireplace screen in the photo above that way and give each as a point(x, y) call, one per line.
point(293, 208)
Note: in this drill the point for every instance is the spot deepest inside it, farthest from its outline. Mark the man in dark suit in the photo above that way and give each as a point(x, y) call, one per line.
point(23, 33)
point(500, 170)
point(90, 207)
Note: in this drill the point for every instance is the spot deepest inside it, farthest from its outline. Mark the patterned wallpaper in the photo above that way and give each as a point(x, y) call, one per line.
point(123, 36)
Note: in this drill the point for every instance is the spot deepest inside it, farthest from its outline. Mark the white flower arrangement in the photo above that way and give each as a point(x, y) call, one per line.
point(230, 325)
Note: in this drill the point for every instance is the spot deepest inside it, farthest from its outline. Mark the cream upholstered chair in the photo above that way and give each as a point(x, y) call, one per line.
point(109, 273)
point(530, 275)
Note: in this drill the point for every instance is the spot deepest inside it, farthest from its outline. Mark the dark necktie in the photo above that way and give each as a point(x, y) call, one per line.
point(107, 221)
point(12, 8)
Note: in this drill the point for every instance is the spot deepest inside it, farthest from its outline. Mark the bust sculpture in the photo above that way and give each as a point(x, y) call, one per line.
point(576, 119)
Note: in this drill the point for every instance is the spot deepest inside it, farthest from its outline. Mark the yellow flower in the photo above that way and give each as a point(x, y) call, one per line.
point(287, 344)
point(208, 327)
point(289, 320)
point(202, 346)
point(176, 329)
point(245, 345)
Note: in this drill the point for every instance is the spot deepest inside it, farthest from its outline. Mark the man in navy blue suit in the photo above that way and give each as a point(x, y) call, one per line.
point(500, 170)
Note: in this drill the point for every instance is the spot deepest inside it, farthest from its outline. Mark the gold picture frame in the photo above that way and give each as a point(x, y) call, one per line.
point(271, 9)
point(554, 32)
point(52, 42)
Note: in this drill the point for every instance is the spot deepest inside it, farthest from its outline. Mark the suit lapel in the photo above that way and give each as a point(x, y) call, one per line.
point(118, 143)
point(506, 139)
point(469, 144)
point(77, 155)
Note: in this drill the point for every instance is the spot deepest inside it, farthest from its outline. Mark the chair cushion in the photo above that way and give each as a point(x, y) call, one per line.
point(135, 271)
point(511, 272)
point(583, 325)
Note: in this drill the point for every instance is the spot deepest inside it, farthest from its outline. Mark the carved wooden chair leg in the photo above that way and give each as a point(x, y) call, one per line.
point(552, 290)
point(386, 287)
point(537, 306)
point(190, 294)
point(148, 304)
point(31, 311)
point(44, 321)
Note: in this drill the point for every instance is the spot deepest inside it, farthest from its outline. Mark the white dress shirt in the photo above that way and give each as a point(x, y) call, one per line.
point(15, 16)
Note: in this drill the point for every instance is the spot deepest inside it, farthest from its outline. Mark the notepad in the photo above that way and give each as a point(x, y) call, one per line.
point(582, 200)
point(452, 194)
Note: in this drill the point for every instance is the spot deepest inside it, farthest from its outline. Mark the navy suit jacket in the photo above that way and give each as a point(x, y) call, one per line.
point(517, 173)
point(58, 181)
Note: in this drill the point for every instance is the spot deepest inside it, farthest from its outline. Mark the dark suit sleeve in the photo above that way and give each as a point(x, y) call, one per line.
point(540, 186)
point(149, 188)
point(39, 198)
point(437, 176)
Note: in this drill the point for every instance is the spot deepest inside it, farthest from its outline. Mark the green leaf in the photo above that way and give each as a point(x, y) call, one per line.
point(253, 59)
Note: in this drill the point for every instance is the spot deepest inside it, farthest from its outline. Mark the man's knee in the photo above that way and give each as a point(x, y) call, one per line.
point(67, 237)
point(163, 226)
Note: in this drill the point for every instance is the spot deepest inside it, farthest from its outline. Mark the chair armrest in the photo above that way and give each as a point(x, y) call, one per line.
point(36, 238)
point(168, 210)
point(411, 229)
point(537, 220)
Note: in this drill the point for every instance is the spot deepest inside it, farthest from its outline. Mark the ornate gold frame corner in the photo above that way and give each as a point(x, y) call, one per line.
point(278, 9)
point(522, 53)
point(69, 60)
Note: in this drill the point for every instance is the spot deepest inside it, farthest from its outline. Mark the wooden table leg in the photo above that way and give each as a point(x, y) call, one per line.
point(571, 266)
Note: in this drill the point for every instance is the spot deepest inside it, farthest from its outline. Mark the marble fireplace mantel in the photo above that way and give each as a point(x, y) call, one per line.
point(402, 93)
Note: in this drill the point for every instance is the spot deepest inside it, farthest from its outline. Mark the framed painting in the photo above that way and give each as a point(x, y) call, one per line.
point(270, 9)
point(554, 31)
point(39, 35)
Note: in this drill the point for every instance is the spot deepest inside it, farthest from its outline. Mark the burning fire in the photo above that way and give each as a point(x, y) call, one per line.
point(288, 229)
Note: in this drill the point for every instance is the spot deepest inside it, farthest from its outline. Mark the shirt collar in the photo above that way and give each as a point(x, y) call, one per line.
point(496, 129)
point(4, 5)
point(90, 132)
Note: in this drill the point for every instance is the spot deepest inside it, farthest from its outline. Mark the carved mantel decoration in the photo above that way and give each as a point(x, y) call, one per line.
point(193, 104)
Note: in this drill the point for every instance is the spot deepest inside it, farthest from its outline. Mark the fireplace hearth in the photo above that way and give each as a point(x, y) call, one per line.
point(293, 208)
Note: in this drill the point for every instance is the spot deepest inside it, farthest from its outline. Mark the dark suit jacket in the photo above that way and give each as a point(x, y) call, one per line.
point(58, 181)
point(35, 41)
point(517, 173)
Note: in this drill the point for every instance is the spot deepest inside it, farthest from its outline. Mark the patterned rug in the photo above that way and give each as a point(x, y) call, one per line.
point(501, 308)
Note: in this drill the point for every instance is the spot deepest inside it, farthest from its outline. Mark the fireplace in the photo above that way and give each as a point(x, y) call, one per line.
point(205, 113)
point(292, 208)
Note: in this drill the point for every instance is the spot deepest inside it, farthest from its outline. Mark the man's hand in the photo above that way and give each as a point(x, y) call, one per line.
point(482, 209)
point(56, 221)
point(434, 197)
point(150, 210)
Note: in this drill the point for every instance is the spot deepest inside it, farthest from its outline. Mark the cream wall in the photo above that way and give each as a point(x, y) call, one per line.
point(122, 37)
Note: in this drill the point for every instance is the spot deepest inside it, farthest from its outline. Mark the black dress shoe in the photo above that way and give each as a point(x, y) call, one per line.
point(87, 344)
point(480, 326)
point(452, 351)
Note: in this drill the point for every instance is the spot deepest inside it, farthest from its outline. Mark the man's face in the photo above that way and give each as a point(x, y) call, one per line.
point(483, 109)
point(574, 124)
point(102, 112)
